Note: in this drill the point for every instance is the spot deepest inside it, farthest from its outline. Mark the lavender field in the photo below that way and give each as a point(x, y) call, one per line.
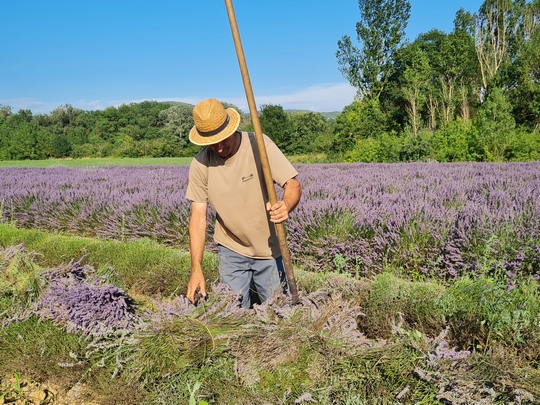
point(439, 220)
point(443, 307)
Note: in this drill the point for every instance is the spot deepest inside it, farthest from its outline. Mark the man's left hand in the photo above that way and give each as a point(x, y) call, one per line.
point(279, 212)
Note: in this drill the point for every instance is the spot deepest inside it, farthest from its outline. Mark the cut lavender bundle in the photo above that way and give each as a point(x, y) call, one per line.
point(83, 302)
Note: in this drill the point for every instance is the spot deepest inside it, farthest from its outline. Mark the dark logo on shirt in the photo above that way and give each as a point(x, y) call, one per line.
point(246, 178)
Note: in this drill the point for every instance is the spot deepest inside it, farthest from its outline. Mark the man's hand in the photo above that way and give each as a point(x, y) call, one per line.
point(196, 286)
point(279, 212)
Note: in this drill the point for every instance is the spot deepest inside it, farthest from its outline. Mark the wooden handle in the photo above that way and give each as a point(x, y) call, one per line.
point(280, 229)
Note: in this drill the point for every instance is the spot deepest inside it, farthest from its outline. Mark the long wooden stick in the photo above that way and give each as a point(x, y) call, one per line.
point(280, 229)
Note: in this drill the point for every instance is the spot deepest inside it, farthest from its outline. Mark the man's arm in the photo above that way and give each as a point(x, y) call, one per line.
point(292, 191)
point(197, 241)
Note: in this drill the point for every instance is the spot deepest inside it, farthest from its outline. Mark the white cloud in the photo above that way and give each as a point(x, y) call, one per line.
point(45, 107)
point(17, 104)
point(322, 97)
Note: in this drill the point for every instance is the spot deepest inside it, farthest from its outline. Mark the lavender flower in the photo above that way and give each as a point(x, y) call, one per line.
point(222, 303)
point(442, 351)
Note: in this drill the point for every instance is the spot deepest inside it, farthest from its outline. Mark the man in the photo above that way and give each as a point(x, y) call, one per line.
point(227, 174)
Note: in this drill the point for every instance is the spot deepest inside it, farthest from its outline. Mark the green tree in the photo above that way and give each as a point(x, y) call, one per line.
point(22, 136)
point(60, 146)
point(21, 116)
point(24, 139)
point(495, 126)
point(359, 120)
point(22, 143)
point(126, 146)
point(525, 145)
point(5, 130)
point(496, 25)
point(177, 122)
point(389, 147)
point(5, 111)
point(452, 73)
point(107, 124)
point(415, 82)
point(464, 22)
point(275, 123)
point(416, 147)
point(451, 143)
point(380, 31)
point(457, 69)
point(524, 72)
point(365, 150)
point(64, 117)
point(307, 127)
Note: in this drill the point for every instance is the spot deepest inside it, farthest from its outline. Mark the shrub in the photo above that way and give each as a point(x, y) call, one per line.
point(361, 119)
point(451, 143)
point(524, 146)
point(416, 147)
point(389, 147)
point(365, 150)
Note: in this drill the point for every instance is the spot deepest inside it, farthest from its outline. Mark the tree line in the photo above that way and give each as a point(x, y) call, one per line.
point(146, 129)
point(139, 129)
point(469, 95)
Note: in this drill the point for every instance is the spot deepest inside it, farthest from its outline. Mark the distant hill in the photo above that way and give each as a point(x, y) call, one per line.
point(177, 102)
point(329, 115)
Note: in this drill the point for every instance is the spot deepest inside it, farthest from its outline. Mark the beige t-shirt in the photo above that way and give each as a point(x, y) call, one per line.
point(237, 191)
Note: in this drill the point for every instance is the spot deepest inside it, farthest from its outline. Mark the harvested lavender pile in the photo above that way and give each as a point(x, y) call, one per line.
point(81, 301)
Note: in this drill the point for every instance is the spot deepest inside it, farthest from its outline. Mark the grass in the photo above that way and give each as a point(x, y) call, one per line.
point(96, 162)
point(310, 158)
point(143, 267)
point(35, 348)
point(69, 162)
point(418, 338)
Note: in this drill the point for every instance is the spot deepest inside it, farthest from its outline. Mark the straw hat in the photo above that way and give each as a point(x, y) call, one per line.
point(213, 123)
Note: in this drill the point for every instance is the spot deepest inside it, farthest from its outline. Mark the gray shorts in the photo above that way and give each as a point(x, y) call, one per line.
point(243, 274)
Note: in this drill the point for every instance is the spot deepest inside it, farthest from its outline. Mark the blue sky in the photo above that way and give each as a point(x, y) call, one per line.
point(108, 52)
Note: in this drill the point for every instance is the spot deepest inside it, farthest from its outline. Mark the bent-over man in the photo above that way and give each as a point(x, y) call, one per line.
point(227, 174)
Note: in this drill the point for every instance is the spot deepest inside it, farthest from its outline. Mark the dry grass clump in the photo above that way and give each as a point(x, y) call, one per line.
point(19, 274)
point(305, 339)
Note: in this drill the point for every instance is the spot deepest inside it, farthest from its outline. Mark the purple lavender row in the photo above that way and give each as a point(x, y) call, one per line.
point(436, 219)
point(105, 202)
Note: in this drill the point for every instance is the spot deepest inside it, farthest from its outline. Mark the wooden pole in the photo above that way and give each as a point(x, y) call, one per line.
point(280, 229)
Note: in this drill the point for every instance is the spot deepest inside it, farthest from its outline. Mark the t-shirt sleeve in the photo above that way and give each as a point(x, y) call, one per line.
point(282, 169)
point(197, 189)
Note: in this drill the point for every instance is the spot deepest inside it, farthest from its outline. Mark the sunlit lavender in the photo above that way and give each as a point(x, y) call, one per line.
point(84, 302)
point(441, 220)
point(106, 202)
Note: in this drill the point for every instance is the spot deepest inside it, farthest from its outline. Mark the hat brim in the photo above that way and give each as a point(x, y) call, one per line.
point(234, 121)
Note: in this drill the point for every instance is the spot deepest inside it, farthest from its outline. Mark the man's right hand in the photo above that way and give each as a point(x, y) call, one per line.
point(196, 285)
